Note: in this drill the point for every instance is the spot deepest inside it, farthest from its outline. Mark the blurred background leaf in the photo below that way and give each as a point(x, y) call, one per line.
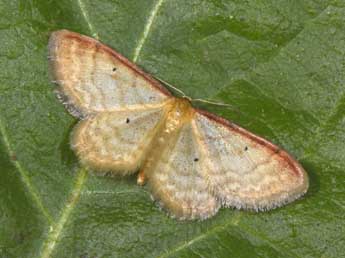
point(281, 63)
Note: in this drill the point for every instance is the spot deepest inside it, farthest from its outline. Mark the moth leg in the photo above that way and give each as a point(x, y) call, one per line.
point(141, 180)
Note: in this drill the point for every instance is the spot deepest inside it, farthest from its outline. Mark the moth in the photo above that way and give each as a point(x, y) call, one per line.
point(194, 162)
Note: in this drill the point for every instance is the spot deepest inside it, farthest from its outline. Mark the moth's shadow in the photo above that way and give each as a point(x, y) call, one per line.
point(131, 178)
point(314, 180)
point(68, 157)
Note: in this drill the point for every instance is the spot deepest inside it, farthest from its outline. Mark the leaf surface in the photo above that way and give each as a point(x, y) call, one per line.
point(280, 63)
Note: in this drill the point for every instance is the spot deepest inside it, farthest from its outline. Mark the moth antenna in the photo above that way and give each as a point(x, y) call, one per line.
point(198, 100)
point(173, 87)
point(213, 102)
point(219, 104)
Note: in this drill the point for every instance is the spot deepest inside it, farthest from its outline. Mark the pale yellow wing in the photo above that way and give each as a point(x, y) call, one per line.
point(175, 179)
point(94, 78)
point(123, 107)
point(244, 170)
point(117, 141)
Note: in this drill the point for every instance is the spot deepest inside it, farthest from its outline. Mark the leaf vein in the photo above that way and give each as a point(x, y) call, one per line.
point(87, 19)
point(55, 232)
point(319, 134)
point(183, 245)
point(24, 176)
point(147, 29)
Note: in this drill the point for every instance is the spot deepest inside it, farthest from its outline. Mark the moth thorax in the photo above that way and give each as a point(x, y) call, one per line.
point(179, 114)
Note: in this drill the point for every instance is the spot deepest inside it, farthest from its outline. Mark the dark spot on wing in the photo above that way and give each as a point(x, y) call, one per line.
point(114, 69)
point(196, 159)
point(127, 120)
point(246, 148)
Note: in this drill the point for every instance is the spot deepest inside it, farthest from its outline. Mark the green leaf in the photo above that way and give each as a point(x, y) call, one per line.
point(281, 63)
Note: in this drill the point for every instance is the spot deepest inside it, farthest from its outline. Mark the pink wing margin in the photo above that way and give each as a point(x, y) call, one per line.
point(89, 42)
point(84, 70)
point(257, 195)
